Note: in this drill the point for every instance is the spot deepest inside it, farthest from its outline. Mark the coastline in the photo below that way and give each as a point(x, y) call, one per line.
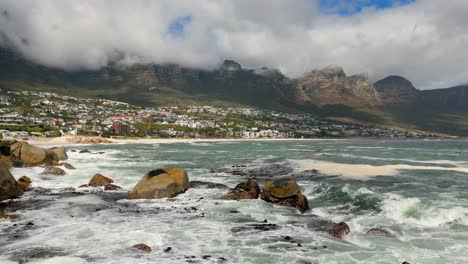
point(68, 140)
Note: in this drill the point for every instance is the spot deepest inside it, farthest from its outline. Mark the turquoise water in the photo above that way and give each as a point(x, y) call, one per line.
point(416, 191)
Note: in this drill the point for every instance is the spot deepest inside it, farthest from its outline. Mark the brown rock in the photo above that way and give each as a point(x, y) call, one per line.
point(339, 230)
point(142, 247)
point(112, 187)
point(24, 182)
point(161, 183)
point(245, 190)
point(100, 180)
point(30, 155)
point(53, 171)
point(67, 165)
point(9, 187)
point(7, 216)
point(61, 153)
point(285, 192)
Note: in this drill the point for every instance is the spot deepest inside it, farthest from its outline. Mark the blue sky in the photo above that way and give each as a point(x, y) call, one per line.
point(177, 27)
point(351, 7)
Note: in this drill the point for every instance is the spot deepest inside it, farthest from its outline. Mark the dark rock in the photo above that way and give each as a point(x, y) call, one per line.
point(253, 227)
point(85, 151)
point(9, 187)
point(378, 232)
point(245, 190)
point(207, 185)
point(168, 249)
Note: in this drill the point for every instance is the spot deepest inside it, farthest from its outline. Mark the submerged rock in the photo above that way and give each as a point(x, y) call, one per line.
point(161, 183)
point(378, 232)
point(285, 192)
point(339, 230)
point(9, 187)
point(24, 182)
point(245, 190)
point(207, 185)
point(67, 165)
point(53, 171)
point(257, 227)
point(142, 247)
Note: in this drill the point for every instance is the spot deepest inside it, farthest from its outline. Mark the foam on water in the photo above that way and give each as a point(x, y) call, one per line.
point(364, 171)
point(425, 227)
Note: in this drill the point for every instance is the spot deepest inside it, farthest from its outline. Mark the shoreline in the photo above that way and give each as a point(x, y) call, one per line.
point(69, 140)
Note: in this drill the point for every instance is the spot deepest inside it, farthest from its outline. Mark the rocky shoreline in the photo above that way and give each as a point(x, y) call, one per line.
point(156, 184)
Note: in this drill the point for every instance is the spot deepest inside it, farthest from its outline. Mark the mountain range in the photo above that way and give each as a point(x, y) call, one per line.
point(329, 92)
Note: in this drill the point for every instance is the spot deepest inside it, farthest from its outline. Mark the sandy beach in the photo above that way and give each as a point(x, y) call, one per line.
point(69, 140)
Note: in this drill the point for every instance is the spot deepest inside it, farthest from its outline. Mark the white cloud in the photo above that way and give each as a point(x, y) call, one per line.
point(425, 41)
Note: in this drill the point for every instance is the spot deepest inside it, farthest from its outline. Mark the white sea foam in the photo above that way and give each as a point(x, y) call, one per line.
point(363, 171)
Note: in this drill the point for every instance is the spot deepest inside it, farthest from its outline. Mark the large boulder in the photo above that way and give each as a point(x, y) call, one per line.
point(161, 183)
point(285, 192)
point(100, 180)
point(9, 188)
point(30, 155)
point(61, 153)
point(245, 190)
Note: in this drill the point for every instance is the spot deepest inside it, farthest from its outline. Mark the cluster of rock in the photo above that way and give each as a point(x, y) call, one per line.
point(21, 154)
point(89, 140)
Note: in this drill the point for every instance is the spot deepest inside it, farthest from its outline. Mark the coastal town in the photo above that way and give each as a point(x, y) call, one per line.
point(25, 114)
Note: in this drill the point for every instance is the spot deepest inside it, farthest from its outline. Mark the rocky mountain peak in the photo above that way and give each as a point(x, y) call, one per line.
point(396, 89)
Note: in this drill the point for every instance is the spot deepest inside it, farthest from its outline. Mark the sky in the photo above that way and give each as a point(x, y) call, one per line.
point(422, 40)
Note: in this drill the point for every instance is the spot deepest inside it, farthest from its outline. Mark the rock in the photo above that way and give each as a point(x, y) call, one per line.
point(405, 262)
point(85, 151)
point(207, 185)
point(30, 155)
point(53, 171)
point(112, 187)
point(100, 180)
point(161, 183)
point(378, 232)
point(245, 190)
point(285, 192)
point(4, 215)
point(61, 153)
point(339, 230)
point(24, 182)
point(142, 247)
point(9, 187)
point(255, 227)
point(67, 165)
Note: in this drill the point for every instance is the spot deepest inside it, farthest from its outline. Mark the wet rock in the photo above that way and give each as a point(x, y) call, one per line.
point(245, 190)
point(207, 185)
point(112, 187)
point(378, 232)
point(53, 171)
point(67, 165)
point(257, 227)
point(4, 215)
point(405, 262)
point(85, 151)
point(37, 253)
point(339, 230)
point(168, 249)
point(24, 182)
point(9, 187)
point(161, 183)
point(285, 192)
point(61, 153)
point(142, 247)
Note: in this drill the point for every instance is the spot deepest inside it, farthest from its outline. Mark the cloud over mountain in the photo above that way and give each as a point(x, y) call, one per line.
point(424, 41)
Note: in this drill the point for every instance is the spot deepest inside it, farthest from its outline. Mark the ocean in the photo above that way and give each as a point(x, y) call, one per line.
point(404, 200)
